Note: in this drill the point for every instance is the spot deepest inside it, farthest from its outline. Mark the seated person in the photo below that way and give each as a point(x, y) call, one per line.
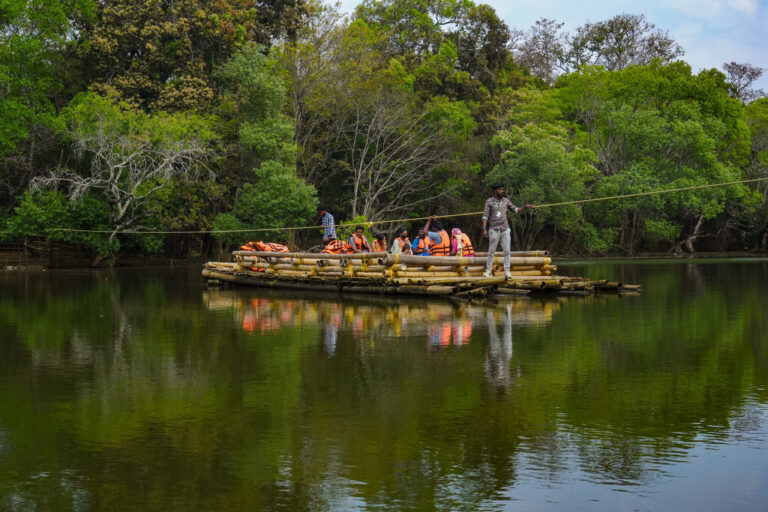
point(461, 245)
point(421, 244)
point(380, 244)
point(358, 242)
point(401, 244)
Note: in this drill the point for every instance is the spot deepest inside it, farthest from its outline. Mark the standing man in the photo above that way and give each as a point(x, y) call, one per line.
point(329, 226)
point(495, 218)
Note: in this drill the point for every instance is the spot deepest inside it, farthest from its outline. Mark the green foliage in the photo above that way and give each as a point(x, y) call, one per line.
point(254, 96)
point(348, 227)
point(276, 200)
point(48, 214)
point(161, 55)
point(34, 40)
point(542, 164)
point(657, 127)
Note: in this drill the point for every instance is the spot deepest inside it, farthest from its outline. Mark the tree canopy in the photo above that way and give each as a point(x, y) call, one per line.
point(241, 115)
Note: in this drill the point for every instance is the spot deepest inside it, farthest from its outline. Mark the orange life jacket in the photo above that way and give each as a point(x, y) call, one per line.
point(466, 246)
point(337, 247)
point(444, 247)
point(378, 246)
point(264, 246)
point(271, 247)
point(424, 245)
point(403, 243)
point(361, 242)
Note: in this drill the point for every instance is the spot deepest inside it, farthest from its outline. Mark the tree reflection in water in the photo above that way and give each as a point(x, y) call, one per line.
point(149, 392)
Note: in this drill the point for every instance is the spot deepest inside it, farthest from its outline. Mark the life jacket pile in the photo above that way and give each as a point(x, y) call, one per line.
point(444, 247)
point(466, 246)
point(265, 247)
point(337, 247)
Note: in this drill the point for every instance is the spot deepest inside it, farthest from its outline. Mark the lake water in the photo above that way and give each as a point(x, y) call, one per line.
point(144, 390)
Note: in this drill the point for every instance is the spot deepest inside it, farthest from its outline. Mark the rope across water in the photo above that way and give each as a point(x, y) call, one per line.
point(414, 219)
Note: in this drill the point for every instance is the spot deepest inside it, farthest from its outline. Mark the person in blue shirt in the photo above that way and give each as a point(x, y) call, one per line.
point(329, 224)
point(421, 244)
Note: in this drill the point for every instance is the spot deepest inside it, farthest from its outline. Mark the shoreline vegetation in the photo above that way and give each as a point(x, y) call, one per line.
point(122, 117)
point(11, 261)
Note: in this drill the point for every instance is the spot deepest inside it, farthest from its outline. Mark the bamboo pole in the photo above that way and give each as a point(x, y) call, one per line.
point(424, 261)
point(265, 282)
point(513, 253)
point(302, 273)
point(318, 269)
point(426, 290)
point(476, 273)
point(267, 254)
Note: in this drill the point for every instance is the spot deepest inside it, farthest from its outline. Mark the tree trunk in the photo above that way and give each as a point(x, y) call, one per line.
point(696, 230)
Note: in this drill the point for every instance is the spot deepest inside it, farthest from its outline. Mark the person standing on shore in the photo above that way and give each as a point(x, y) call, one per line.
point(496, 226)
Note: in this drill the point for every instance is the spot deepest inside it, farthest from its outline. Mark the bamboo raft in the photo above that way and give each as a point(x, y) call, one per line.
point(385, 273)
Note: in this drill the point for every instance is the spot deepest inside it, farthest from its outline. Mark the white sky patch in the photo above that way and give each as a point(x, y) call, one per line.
point(748, 7)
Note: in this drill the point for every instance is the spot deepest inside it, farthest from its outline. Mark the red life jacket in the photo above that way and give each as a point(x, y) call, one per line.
point(337, 247)
point(444, 247)
point(378, 246)
point(466, 246)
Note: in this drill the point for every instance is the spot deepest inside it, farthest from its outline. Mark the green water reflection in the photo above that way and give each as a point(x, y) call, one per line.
point(147, 391)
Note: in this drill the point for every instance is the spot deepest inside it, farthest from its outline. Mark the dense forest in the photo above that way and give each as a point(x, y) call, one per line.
point(121, 117)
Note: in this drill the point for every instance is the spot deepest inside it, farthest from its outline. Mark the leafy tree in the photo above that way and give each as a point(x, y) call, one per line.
point(541, 49)
point(756, 222)
point(35, 40)
point(269, 193)
point(542, 164)
point(413, 27)
point(161, 55)
point(655, 127)
point(622, 41)
point(277, 200)
point(481, 40)
point(741, 77)
point(127, 157)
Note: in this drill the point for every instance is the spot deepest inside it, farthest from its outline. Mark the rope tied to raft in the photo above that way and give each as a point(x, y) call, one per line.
point(370, 224)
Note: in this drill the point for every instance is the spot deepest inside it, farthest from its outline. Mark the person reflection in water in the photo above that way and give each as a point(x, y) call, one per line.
point(498, 354)
point(331, 331)
point(329, 341)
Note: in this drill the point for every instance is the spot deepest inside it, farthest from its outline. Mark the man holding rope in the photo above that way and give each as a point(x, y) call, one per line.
point(495, 218)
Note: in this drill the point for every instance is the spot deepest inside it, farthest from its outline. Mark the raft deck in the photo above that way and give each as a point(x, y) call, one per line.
point(396, 274)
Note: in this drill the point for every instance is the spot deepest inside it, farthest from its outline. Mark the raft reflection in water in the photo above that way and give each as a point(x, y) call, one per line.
point(441, 323)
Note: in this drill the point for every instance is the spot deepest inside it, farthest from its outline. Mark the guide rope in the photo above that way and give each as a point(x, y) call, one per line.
point(411, 219)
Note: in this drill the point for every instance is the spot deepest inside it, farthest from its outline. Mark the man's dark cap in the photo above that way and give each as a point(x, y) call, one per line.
point(497, 185)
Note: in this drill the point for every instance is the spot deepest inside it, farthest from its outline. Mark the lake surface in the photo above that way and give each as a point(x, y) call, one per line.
point(144, 390)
